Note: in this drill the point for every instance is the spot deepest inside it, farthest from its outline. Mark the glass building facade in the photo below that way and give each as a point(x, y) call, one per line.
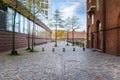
point(23, 25)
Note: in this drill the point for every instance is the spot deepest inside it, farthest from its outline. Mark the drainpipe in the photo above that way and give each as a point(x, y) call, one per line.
point(104, 25)
point(118, 52)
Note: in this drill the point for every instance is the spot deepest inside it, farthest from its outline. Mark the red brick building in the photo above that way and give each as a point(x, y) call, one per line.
point(79, 37)
point(103, 25)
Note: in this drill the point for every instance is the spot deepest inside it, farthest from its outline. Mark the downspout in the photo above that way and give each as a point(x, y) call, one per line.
point(104, 26)
point(118, 25)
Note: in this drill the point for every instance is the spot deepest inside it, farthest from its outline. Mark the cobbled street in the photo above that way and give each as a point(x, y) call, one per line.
point(59, 65)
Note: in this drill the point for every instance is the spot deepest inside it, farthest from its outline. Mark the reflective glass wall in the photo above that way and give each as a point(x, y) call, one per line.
point(22, 24)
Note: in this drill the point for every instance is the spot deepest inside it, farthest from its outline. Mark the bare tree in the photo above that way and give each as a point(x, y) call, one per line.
point(28, 4)
point(14, 52)
point(35, 9)
point(73, 23)
point(58, 23)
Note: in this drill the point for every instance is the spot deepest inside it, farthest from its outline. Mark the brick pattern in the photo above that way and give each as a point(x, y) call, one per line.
point(118, 43)
point(109, 21)
point(111, 42)
point(6, 40)
point(112, 13)
point(20, 40)
point(59, 65)
point(77, 34)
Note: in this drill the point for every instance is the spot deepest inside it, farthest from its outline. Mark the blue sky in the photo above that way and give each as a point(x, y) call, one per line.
point(70, 8)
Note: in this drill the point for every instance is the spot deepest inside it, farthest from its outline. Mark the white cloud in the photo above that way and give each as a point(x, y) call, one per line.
point(70, 10)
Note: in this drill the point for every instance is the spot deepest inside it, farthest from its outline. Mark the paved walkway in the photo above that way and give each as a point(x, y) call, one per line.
point(59, 65)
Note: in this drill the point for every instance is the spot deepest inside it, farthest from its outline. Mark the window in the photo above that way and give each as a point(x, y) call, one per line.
point(46, 1)
point(36, 30)
point(21, 24)
point(89, 32)
point(98, 4)
point(17, 23)
point(42, 5)
point(25, 27)
point(99, 26)
point(46, 6)
point(3, 9)
point(10, 19)
point(92, 18)
point(46, 13)
point(31, 26)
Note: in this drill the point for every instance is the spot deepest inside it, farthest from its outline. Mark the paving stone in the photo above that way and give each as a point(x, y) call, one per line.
point(59, 65)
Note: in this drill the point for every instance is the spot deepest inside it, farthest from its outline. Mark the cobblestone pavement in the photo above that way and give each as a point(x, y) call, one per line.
point(59, 65)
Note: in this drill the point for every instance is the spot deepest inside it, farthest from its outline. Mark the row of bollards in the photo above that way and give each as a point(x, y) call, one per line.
point(63, 49)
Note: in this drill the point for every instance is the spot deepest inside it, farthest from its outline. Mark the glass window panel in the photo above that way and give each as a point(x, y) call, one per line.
point(10, 19)
point(3, 9)
point(31, 26)
point(25, 26)
point(17, 23)
point(21, 24)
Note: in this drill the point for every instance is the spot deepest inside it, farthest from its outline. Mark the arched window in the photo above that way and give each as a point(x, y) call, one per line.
point(89, 33)
point(98, 5)
point(98, 25)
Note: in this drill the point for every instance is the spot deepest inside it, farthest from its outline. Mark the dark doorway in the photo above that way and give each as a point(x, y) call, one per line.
point(92, 40)
point(98, 25)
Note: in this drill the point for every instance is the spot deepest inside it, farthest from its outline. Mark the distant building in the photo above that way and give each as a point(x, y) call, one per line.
point(46, 8)
point(79, 37)
point(103, 25)
point(61, 35)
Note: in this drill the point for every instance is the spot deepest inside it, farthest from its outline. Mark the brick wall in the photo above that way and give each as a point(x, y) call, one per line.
point(93, 27)
point(111, 42)
point(20, 40)
point(113, 38)
point(6, 40)
point(108, 15)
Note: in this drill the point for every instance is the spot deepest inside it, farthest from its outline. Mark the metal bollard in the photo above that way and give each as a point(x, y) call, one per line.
point(73, 49)
point(83, 49)
point(53, 50)
point(43, 50)
point(63, 49)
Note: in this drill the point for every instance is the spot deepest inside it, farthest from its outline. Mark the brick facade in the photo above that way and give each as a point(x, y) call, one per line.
point(21, 40)
point(79, 37)
point(104, 33)
point(6, 40)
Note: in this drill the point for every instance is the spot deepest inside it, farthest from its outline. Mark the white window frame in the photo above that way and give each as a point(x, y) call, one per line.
point(93, 18)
